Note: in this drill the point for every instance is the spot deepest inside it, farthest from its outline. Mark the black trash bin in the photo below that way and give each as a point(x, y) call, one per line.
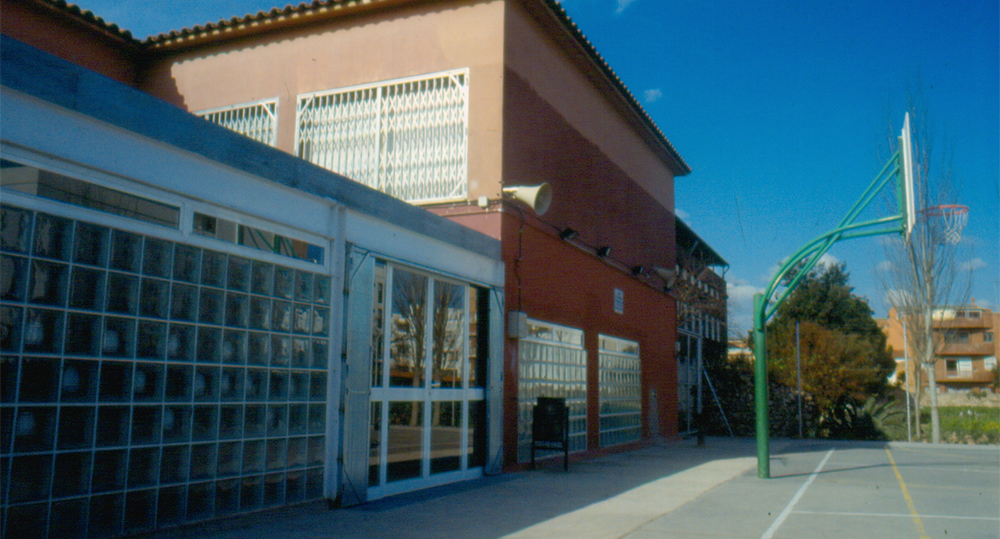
point(550, 428)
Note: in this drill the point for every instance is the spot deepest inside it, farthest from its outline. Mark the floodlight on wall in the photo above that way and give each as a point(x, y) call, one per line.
point(669, 276)
point(638, 270)
point(568, 234)
point(604, 252)
point(537, 197)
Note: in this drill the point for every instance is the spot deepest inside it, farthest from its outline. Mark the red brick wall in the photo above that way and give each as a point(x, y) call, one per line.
point(554, 281)
point(590, 193)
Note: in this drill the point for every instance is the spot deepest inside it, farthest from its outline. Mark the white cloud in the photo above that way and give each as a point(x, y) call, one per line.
point(885, 266)
point(682, 214)
point(986, 304)
point(895, 296)
point(974, 264)
point(829, 260)
point(652, 95)
point(740, 294)
point(622, 4)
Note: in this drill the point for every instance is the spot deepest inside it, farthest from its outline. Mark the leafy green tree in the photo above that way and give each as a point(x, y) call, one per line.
point(844, 355)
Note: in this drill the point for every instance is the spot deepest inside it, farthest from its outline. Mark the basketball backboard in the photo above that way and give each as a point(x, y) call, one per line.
point(907, 201)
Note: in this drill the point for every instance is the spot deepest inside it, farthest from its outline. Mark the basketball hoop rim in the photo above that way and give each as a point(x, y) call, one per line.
point(944, 209)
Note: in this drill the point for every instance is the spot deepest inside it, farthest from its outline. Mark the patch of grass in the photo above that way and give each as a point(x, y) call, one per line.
point(967, 424)
point(959, 424)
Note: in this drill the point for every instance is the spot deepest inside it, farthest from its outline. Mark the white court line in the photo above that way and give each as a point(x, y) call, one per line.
point(795, 499)
point(900, 515)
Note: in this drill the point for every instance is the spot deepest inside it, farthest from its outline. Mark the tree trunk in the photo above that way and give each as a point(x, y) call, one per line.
point(929, 361)
point(918, 389)
point(935, 418)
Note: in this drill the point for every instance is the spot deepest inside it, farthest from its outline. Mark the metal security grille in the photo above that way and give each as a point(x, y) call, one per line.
point(147, 382)
point(407, 138)
point(258, 121)
point(688, 371)
point(620, 391)
point(552, 363)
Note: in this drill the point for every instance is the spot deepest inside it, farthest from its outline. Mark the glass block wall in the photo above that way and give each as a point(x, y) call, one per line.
point(552, 363)
point(147, 382)
point(620, 394)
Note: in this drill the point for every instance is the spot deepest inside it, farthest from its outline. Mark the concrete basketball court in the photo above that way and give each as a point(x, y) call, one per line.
point(818, 489)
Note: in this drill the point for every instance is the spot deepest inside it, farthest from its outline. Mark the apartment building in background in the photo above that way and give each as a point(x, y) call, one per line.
point(965, 343)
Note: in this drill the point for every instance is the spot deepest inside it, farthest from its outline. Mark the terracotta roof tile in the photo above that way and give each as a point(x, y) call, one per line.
point(89, 18)
point(318, 6)
point(249, 18)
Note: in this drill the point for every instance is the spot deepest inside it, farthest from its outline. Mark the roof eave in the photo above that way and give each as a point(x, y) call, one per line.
point(323, 10)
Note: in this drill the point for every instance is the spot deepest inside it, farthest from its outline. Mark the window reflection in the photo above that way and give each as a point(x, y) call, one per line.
point(409, 300)
point(421, 330)
point(474, 343)
point(375, 444)
point(449, 345)
point(51, 185)
point(446, 436)
point(405, 440)
point(378, 323)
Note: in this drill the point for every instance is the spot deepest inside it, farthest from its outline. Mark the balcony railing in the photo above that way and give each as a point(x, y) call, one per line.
point(968, 349)
point(962, 323)
point(975, 376)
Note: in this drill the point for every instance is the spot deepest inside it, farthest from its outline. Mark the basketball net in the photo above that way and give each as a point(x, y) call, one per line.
point(953, 217)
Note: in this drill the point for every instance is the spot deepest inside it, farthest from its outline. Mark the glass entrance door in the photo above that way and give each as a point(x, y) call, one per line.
point(426, 399)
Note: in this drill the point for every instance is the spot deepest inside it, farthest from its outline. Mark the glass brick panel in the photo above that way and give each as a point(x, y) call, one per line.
point(15, 229)
point(86, 289)
point(13, 277)
point(619, 394)
point(125, 374)
point(140, 510)
point(552, 363)
point(91, 244)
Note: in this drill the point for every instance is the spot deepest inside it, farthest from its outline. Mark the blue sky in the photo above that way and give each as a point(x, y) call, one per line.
point(781, 109)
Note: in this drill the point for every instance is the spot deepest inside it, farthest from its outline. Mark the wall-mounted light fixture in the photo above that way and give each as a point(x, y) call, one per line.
point(638, 270)
point(604, 252)
point(568, 234)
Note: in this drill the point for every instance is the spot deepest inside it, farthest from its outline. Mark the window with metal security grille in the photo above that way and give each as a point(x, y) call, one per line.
point(258, 121)
point(407, 138)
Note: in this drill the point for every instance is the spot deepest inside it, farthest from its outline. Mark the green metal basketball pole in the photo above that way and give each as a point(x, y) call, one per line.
point(803, 262)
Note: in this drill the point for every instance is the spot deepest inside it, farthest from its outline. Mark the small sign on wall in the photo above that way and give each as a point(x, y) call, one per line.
point(619, 301)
